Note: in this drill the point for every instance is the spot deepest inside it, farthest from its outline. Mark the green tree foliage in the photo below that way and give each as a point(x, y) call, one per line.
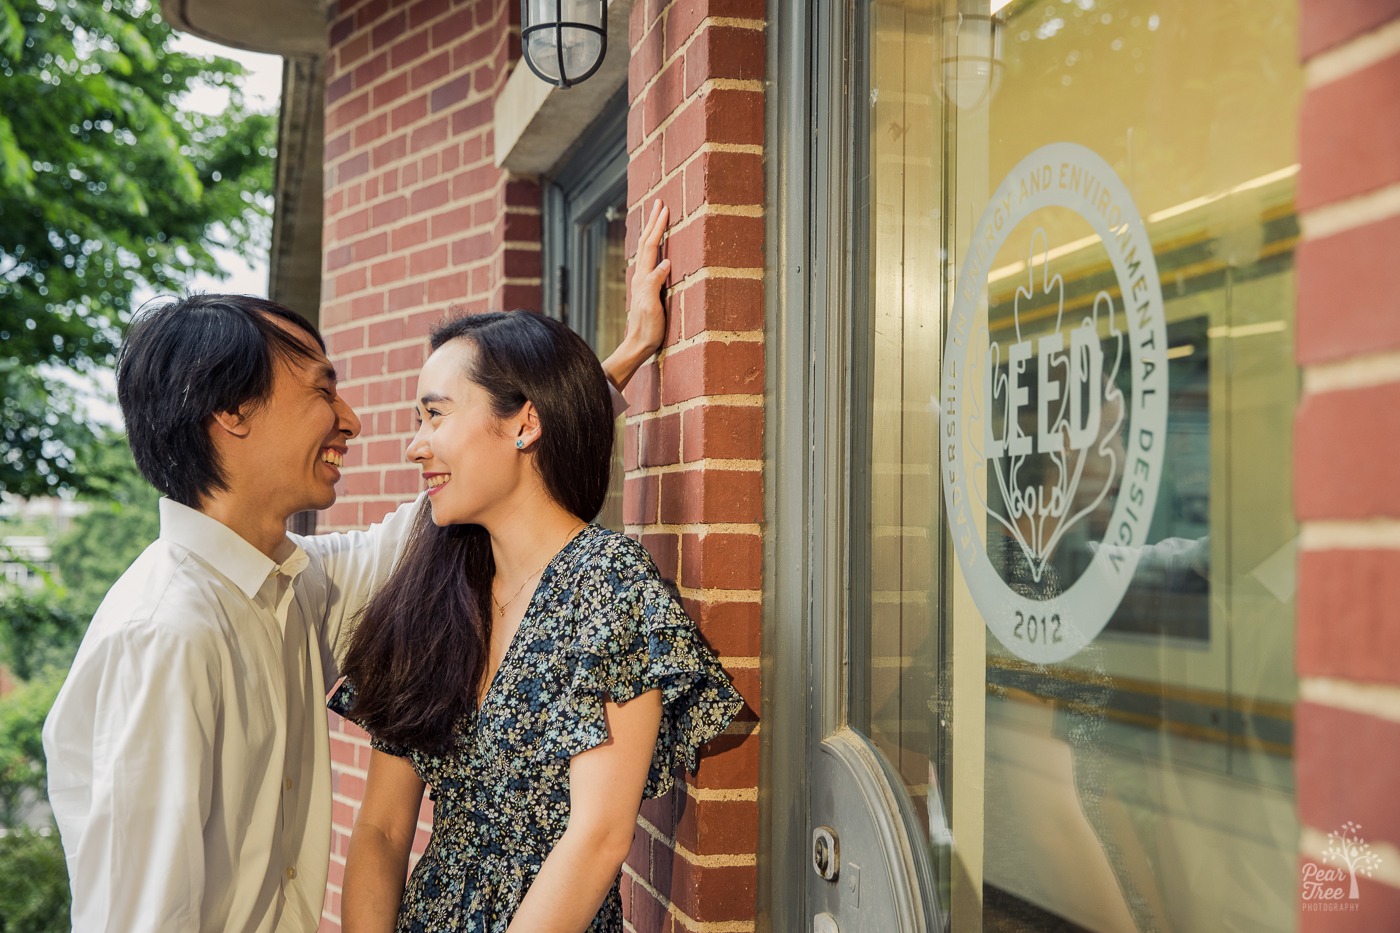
point(38, 632)
point(34, 897)
point(101, 544)
point(23, 778)
point(107, 185)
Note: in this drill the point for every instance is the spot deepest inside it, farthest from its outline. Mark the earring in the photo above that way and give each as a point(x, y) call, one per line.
point(519, 443)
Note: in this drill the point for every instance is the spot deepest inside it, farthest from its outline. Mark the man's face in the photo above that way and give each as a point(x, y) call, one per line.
point(297, 439)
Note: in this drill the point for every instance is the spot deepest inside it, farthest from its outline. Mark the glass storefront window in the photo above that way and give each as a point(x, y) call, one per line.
point(1073, 546)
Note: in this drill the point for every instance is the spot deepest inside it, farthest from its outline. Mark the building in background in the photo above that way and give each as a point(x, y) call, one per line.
point(28, 528)
point(1012, 423)
point(24, 559)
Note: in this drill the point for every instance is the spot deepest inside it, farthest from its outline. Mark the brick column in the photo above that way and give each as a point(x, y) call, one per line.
point(417, 218)
point(1347, 451)
point(694, 445)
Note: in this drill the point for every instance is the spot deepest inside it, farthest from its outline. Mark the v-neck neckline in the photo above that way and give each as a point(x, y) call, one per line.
point(515, 638)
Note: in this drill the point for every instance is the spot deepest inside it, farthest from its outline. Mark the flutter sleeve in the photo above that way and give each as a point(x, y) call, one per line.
point(342, 699)
point(635, 639)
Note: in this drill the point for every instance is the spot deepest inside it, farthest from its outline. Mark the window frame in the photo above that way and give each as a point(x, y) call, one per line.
point(576, 199)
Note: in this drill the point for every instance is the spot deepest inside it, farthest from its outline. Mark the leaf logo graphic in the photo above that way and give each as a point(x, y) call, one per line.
point(1041, 500)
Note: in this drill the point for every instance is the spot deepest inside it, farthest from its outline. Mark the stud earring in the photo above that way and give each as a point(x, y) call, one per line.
point(519, 443)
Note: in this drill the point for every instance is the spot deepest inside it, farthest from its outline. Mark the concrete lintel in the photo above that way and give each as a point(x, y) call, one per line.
point(293, 28)
point(538, 123)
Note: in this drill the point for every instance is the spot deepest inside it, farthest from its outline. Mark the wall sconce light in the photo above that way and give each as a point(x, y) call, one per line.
point(970, 66)
point(564, 40)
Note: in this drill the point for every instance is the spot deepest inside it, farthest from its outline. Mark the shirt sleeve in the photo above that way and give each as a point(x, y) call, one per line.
point(130, 743)
point(355, 563)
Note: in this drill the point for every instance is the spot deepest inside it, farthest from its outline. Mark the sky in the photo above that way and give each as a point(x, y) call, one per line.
point(263, 89)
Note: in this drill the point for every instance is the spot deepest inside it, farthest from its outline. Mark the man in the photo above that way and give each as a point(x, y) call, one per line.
point(189, 763)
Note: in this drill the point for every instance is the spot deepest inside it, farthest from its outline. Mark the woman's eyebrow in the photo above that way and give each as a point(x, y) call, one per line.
point(432, 397)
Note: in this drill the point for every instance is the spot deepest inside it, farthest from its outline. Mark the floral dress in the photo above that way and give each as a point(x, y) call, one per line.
point(601, 625)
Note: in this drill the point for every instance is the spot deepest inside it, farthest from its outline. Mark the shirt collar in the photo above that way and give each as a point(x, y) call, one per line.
point(221, 547)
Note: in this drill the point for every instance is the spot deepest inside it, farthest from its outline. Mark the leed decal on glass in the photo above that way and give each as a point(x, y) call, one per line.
point(1054, 415)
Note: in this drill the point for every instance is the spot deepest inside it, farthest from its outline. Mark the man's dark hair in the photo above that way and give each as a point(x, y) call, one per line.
point(187, 359)
point(418, 655)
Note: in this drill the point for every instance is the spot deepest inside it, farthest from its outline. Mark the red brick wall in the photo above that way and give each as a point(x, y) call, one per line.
point(417, 216)
point(1346, 456)
point(694, 446)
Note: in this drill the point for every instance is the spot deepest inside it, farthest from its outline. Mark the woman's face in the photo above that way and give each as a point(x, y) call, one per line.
point(470, 464)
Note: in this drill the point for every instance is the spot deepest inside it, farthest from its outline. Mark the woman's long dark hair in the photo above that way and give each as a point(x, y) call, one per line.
point(419, 652)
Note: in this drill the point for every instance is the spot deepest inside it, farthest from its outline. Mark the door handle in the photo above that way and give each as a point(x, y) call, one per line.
point(824, 923)
point(826, 853)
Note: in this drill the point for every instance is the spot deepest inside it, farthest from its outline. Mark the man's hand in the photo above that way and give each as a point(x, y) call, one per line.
point(646, 318)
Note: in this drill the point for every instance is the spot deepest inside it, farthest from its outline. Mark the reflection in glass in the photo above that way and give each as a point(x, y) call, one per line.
point(1145, 782)
point(610, 324)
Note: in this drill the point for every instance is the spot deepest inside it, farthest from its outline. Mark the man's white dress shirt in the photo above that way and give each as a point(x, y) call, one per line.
point(188, 755)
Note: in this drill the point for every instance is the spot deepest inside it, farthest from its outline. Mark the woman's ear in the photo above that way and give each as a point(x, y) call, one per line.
point(527, 423)
point(231, 422)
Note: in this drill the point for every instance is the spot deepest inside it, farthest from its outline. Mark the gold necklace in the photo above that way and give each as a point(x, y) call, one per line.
point(501, 606)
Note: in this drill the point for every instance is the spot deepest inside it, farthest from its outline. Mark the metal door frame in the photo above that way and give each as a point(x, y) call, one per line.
point(787, 571)
point(809, 293)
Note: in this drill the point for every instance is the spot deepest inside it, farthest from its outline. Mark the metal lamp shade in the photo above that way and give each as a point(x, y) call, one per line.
point(971, 60)
point(564, 40)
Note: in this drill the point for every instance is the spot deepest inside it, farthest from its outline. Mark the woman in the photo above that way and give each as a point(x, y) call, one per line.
point(529, 666)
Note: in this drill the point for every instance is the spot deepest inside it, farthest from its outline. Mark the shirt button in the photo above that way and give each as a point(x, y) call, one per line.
point(291, 874)
point(289, 783)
